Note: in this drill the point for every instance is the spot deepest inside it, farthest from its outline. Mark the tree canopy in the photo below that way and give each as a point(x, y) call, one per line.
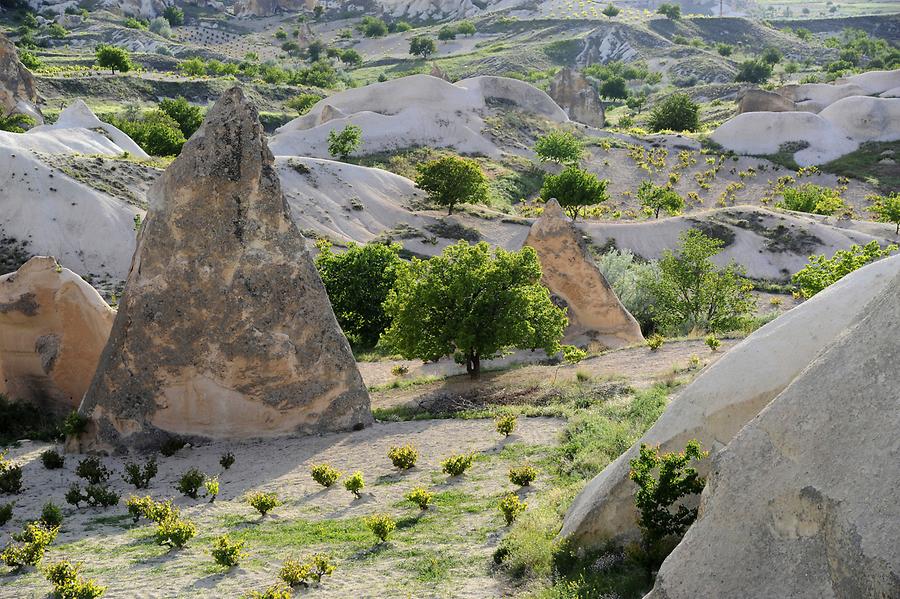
point(575, 189)
point(559, 146)
point(358, 281)
point(690, 291)
point(887, 209)
point(113, 58)
point(344, 142)
point(822, 271)
point(676, 113)
point(473, 303)
point(452, 180)
point(659, 197)
point(422, 45)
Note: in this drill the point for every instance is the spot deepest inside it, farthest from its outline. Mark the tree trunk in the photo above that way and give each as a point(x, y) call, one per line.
point(449, 209)
point(473, 364)
point(657, 212)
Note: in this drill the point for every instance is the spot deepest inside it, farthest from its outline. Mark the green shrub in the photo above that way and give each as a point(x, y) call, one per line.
point(625, 275)
point(811, 198)
point(52, 459)
point(113, 58)
point(559, 146)
point(404, 456)
point(655, 341)
point(92, 470)
point(381, 526)
point(523, 475)
point(355, 483)
point(344, 142)
point(227, 460)
point(138, 506)
point(67, 584)
point(420, 496)
point(75, 424)
point(506, 424)
point(171, 446)
point(132, 23)
point(175, 532)
point(713, 342)
point(74, 495)
point(263, 502)
point(663, 480)
point(754, 71)
point(100, 496)
point(227, 552)
point(51, 515)
point(676, 113)
point(822, 271)
point(302, 103)
point(276, 591)
point(188, 116)
point(6, 512)
point(456, 465)
point(655, 198)
point(452, 180)
point(140, 476)
point(174, 15)
point(212, 488)
point(511, 506)
point(325, 474)
point(10, 476)
point(190, 482)
point(295, 572)
point(27, 547)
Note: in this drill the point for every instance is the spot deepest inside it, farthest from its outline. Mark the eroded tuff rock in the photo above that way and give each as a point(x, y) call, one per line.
point(224, 329)
point(595, 313)
point(803, 502)
point(17, 91)
point(728, 395)
point(53, 327)
point(575, 94)
point(760, 100)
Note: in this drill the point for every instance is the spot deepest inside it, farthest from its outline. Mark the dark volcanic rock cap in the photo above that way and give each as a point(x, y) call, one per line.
point(225, 329)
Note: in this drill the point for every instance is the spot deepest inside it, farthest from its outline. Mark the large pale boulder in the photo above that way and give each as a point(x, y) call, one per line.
point(53, 327)
point(729, 394)
point(866, 119)
point(802, 503)
point(77, 118)
point(760, 100)
point(595, 314)
point(575, 94)
point(17, 91)
point(224, 329)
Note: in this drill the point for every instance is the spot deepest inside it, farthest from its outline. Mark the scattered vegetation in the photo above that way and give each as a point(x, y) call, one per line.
point(227, 552)
point(404, 456)
point(505, 424)
point(355, 483)
point(52, 459)
point(325, 474)
point(263, 502)
point(140, 476)
point(420, 496)
point(523, 475)
point(822, 271)
point(456, 465)
point(190, 482)
point(68, 584)
point(511, 506)
point(381, 526)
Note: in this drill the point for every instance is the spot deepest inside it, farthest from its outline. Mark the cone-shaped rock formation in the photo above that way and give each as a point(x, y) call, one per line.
point(225, 329)
point(595, 313)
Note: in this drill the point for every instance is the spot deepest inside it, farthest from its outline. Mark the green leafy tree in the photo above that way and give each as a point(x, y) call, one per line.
point(771, 56)
point(474, 304)
point(350, 57)
point(690, 291)
point(676, 113)
point(315, 49)
point(465, 28)
point(422, 45)
point(174, 15)
point(887, 209)
point(559, 146)
point(754, 71)
point(610, 11)
point(192, 67)
point(452, 180)
point(446, 33)
point(302, 103)
point(614, 88)
point(663, 480)
point(811, 198)
point(670, 11)
point(373, 27)
point(659, 197)
point(358, 281)
point(724, 49)
point(342, 144)
point(822, 271)
point(636, 102)
point(113, 58)
point(188, 116)
point(575, 189)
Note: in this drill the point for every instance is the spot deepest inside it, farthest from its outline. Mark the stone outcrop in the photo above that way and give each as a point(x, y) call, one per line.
point(18, 94)
point(596, 316)
point(575, 94)
point(53, 327)
point(728, 395)
point(760, 100)
point(803, 502)
point(224, 329)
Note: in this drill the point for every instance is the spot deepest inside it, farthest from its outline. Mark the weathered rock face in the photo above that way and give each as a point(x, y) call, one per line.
point(803, 502)
point(595, 313)
point(575, 94)
point(17, 92)
point(224, 329)
point(727, 396)
point(53, 327)
point(760, 100)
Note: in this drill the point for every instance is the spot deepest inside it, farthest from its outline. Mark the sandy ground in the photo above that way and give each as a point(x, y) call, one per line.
point(125, 557)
